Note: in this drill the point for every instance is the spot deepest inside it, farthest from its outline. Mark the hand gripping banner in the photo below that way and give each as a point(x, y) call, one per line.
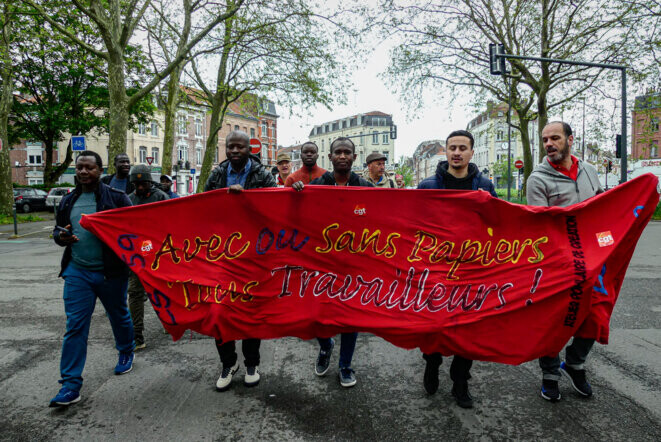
point(450, 271)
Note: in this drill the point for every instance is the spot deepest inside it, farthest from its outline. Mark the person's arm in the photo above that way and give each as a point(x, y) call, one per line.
point(536, 194)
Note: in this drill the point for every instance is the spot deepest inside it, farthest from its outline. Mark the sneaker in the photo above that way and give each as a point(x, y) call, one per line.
point(550, 390)
point(225, 379)
point(347, 378)
point(323, 360)
point(577, 379)
point(430, 380)
point(125, 363)
point(140, 346)
point(252, 377)
point(64, 398)
point(461, 395)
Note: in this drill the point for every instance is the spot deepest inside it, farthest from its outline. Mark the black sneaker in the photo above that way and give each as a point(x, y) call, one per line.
point(430, 380)
point(461, 394)
point(550, 390)
point(323, 360)
point(577, 379)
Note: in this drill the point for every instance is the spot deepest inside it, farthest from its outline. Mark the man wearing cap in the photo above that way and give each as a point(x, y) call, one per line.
point(166, 186)
point(310, 171)
point(283, 162)
point(145, 192)
point(376, 171)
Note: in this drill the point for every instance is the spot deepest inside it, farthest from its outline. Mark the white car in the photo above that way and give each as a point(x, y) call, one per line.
point(55, 196)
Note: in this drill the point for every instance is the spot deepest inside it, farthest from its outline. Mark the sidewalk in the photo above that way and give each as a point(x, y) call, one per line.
point(37, 228)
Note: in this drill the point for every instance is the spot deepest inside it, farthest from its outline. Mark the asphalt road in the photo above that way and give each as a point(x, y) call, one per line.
point(170, 393)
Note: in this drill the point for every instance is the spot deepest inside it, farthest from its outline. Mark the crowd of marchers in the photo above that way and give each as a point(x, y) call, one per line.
point(91, 270)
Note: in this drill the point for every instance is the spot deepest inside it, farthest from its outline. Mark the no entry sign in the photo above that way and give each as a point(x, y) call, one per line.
point(518, 164)
point(255, 146)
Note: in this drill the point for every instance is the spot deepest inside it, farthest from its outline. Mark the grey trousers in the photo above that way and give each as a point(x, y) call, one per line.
point(575, 356)
point(137, 298)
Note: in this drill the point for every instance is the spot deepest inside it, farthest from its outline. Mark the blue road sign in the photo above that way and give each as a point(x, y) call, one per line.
point(77, 143)
point(192, 171)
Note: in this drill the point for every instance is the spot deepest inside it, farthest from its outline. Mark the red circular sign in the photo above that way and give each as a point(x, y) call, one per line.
point(518, 164)
point(255, 146)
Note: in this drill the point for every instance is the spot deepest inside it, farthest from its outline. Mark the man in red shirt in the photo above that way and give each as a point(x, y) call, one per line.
point(310, 170)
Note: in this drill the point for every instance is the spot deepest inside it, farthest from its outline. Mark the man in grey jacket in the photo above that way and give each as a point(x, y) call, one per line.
point(562, 180)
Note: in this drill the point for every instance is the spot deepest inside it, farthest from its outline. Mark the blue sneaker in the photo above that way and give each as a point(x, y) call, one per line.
point(347, 378)
point(65, 398)
point(125, 363)
point(577, 379)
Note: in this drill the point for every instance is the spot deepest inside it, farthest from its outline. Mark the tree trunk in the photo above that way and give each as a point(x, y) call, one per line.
point(119, 113)
point(527, 152)
point(6, 73)
point(49, 179)
point(542, 119)
point(170, 120)
point(217, 116)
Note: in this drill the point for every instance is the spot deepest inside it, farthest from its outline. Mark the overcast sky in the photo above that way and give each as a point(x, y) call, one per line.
point(434, 121)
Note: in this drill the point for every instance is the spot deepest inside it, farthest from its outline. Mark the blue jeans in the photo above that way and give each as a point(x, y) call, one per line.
point(575, 356)
point(81, 288)
point(347, 346)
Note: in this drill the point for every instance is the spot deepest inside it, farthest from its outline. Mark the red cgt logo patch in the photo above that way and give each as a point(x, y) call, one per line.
point(605, 239)
point(146, 247)
point(359, 210)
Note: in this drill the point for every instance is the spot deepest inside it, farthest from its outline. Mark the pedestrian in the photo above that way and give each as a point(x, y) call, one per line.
point(166, 186)
point(561, 179)
point(145, 192)
point(239, 171)
point(283, 163)
point(376, 171)
point(90, 270)
point(342, 155)
point(120, 179)
point(456, 173)
point(399, 180)
point(310, 170)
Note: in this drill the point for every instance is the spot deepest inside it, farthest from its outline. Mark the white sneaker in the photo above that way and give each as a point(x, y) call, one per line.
point(225, 378)
point(252, 377)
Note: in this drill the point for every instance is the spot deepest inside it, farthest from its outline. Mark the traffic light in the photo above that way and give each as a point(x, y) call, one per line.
point(618, 146)
point(497, 64)
point(609, 167)
point(393, 131)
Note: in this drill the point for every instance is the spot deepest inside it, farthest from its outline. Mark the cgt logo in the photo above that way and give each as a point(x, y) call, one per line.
point(146, 247)
point(605, 239)
point(360, 210)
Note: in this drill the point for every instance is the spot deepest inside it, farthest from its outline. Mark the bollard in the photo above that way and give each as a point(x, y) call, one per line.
point(15, 221)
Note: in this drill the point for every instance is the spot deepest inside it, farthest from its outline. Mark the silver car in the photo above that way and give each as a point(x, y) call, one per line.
point(55, 196)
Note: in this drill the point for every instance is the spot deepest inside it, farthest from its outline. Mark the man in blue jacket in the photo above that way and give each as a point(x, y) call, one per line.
point(457, 173)
point(90, 270)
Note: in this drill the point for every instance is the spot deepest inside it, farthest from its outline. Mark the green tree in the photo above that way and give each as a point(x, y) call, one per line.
point(499, 170)
point(406, 171)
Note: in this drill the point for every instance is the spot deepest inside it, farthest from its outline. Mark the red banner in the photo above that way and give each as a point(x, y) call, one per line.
point(449, 271)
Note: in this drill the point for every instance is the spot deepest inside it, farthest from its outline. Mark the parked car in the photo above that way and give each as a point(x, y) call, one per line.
point(28, 199)
point(55, 196)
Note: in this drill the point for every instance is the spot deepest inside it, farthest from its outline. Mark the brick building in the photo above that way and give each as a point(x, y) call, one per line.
point(645, 132)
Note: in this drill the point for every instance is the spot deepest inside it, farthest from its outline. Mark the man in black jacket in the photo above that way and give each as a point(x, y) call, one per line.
point(90, 270)
point(456, 173)
point(342, 155)
point(120, 179)
point(240, 171)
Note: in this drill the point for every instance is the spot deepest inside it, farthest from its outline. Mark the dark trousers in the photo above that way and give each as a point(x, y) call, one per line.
point(227, 352)
point(459, 369)
point(347, 347)
point(575, 356)
point(137, 298)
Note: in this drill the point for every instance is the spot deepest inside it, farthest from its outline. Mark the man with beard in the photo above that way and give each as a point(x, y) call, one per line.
point(310, 171)
point(239, 171)
point(145, 192)
point(120, 179)
point(342, 155)
point(561, 179)
point(456, 173)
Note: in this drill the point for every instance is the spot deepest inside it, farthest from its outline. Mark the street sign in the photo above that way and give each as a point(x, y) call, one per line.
point(150, 160)
point(77, 143)
point(192, 171)
point(255, 146)
point(518, 164)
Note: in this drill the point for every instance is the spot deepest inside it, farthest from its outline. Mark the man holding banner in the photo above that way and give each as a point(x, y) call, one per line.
point(342, 155)
point(457, 173)
point(561, 179)
point(239, 171)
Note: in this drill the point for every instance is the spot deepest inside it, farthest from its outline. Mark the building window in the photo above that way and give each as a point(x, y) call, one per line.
point(386, 154)
point(142, 155)
point(154, 129)
point(236, 127)
point(654, 149)
point(265, 149)
point(181, 125)
point(252, 132)
point(155, 155)
point(35, 155)
point(273, 131)
point(198, 127)
point(385, 139)
point(500, 135)
point(198, 154)
point(654, 124)
point(141, 128)
point(33, 181)
point(264, 129)
point(375, 137)
point(182, 152)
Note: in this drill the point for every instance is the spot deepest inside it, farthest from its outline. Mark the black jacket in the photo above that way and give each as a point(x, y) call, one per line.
point(258, 176)
point(106, 198)
point(129, 185)
point(328, 179)
point(478, 182)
